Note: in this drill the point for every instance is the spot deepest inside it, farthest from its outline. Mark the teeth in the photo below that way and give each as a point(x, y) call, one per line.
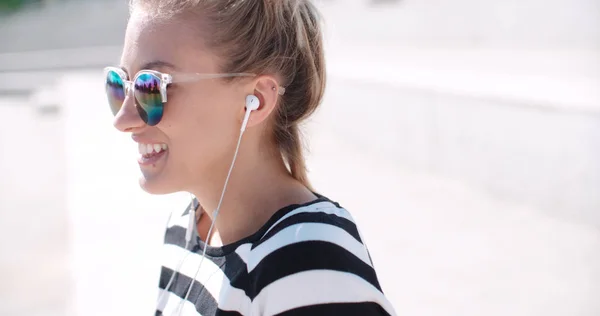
point(146, 149)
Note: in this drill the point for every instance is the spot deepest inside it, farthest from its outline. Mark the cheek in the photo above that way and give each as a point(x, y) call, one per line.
point(201, 127)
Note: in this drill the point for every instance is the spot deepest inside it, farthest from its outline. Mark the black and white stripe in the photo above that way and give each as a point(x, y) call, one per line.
point(306, 260)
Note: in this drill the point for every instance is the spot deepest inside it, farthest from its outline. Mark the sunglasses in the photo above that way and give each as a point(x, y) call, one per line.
point(150, 89)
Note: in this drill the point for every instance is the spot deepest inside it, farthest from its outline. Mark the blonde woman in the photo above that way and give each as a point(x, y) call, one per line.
point(196, 76)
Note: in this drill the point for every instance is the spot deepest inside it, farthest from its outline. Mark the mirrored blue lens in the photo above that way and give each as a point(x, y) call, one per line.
point(149, 101)
point(115, 91)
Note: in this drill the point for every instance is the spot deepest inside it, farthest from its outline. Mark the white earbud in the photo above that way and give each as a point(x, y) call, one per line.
point(252, 103)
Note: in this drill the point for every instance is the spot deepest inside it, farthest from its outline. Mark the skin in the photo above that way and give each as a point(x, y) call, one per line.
point(201, 125)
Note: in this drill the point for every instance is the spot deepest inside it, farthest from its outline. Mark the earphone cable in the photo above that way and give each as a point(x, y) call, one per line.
point(216, 213)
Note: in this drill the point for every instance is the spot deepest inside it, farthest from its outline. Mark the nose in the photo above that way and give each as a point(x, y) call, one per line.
point(128, 119)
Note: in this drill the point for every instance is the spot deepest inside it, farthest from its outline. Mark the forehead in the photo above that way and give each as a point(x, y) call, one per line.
point(174, 41)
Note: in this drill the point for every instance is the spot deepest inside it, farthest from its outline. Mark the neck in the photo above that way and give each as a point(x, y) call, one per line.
point(258, 187)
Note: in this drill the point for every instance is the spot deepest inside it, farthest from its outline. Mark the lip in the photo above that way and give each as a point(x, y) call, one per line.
point(152, 160)
point(145, 140)
point(149, 161)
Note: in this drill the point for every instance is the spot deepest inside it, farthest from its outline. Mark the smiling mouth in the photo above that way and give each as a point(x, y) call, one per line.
point(150, 153)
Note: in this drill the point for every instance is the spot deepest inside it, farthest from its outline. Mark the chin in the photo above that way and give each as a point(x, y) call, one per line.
point(155, 187)
point(156, 183)
point(154, 177)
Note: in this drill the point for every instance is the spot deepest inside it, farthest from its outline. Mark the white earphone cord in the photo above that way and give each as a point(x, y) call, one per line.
point(216, 213)
point(188, 238)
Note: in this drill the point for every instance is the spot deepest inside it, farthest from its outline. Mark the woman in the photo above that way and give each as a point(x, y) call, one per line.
point(196, 76)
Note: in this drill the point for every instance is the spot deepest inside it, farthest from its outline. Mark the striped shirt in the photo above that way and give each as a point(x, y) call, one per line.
point(307, 259)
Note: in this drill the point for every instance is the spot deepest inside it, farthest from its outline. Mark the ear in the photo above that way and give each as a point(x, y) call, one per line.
point(266, 89)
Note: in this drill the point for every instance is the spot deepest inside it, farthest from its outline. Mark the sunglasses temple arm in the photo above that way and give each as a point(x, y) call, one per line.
point(196, 77)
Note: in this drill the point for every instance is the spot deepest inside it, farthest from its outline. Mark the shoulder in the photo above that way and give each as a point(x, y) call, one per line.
point(317, 235)
point(312, 261)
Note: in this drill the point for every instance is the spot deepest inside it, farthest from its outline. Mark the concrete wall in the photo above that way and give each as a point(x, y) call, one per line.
point(472, 23)
point(467, 23)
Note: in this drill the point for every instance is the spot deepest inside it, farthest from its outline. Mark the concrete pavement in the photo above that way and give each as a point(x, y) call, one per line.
point(440, 247)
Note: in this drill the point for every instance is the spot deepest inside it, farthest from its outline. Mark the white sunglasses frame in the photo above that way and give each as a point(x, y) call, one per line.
point(166, 79)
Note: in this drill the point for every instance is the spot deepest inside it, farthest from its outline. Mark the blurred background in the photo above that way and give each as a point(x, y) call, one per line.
point(464, 136)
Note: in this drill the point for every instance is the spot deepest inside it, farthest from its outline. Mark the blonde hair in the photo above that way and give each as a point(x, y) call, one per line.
point(279, 37)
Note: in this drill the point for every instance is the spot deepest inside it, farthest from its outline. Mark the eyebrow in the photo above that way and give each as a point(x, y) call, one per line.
point(154, 65)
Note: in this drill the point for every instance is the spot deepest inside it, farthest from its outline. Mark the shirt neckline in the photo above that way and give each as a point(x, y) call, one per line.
point(224, 250)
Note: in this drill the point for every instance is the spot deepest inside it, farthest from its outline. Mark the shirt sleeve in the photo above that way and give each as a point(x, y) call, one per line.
point(320, 269)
